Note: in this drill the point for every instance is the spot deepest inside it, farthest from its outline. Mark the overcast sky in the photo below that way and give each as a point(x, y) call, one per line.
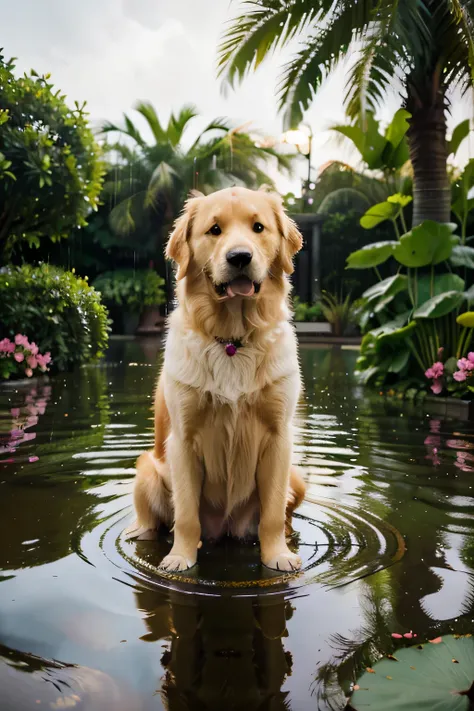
point(114, 53)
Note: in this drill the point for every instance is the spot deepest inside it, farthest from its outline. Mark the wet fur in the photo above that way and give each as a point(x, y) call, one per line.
point(221, 462)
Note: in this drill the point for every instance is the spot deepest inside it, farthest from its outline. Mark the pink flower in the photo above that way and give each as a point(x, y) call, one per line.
point(465, 364)
point(22, 341)
point(436, 370)
point(34, 348)
point(6, 346)
point(15, 412)
point(32, 362)
point(437, 386)
point(43, 360)
point(33, 459)
point(470, 357)
point(459, 376)
point(28, 372)
point(19, 357)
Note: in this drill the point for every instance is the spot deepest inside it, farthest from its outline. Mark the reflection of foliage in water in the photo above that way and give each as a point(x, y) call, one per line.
point(50, 499)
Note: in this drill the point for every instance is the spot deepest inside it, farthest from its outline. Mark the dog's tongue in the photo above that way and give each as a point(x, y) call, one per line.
point(242, 286)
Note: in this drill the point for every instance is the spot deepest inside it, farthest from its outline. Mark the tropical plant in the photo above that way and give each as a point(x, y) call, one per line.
point(386, 151)
point(57, 309)
point(425, 47)
point(132, 288)
point(50, 166)
point(338, 311)
point(408, 317)
point(150, 181)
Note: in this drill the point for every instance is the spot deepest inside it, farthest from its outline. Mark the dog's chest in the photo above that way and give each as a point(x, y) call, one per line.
point(227, 378)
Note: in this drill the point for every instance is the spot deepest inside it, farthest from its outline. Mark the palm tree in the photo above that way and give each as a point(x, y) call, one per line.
point(150, 181)
point(424, 46)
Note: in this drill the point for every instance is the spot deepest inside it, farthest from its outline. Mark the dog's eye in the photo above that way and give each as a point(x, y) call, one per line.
point(258, 227)
point(215, 230)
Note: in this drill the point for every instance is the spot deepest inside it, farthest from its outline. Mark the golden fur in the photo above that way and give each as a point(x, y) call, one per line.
point(223, 425)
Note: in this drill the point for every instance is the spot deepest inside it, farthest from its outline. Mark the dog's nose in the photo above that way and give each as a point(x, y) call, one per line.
point(239, 258)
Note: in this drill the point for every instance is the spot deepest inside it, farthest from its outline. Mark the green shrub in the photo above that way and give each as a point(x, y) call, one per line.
point(50, 165)
point(307, 312)
point(57, 310)
point(132, 288)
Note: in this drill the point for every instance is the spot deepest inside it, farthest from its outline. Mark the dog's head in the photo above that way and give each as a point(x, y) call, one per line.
point(236, 239)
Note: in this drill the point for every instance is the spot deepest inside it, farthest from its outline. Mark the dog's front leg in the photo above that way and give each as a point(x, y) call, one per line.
point(273, 473)
point(186, 476)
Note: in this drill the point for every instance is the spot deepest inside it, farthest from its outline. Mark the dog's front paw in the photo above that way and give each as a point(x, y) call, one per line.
point(284, 561)
point(175, 563)
point(140, 533)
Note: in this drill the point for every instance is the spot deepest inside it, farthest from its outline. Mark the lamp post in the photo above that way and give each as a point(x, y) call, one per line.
point(303, 140)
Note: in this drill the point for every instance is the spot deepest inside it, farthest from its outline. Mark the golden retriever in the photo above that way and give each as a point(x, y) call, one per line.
point(229, 385)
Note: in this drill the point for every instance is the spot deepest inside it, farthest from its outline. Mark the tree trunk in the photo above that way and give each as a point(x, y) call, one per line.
point(429, 153)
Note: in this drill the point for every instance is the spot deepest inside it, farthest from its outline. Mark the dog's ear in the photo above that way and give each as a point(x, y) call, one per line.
point(177, 248)
point(291, 238)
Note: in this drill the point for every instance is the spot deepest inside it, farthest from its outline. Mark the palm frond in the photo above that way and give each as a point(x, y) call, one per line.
point(177, 124)
point(304, 74)
point(218, 124)
point(148, 111)
point(260, 29)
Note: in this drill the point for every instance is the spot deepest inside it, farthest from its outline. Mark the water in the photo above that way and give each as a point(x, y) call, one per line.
point(87, 622)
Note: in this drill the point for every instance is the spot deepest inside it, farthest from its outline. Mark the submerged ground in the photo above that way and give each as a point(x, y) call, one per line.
point(387, 536)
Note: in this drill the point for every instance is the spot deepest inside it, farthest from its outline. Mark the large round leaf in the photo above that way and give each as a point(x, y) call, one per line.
point(440, 305)
point(466, 319)
point(400, 199)
point(440, 284)
point(431, 677)
point(462, 256)
point(386, 287)
point(371, 255)
point(379, 213)
point(429, 243)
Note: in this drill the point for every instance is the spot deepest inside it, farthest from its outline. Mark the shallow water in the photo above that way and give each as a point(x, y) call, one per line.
point(86, 622)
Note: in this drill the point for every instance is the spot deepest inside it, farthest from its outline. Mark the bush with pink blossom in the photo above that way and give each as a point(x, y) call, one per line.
point(454, 377)
point(20, 358)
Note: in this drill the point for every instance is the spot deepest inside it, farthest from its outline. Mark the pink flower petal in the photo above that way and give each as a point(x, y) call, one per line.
point(15, 412)
point(408, 635)
point(33, 459)
point(395, 635)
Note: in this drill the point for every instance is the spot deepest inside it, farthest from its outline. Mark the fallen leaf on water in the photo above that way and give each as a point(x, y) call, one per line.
point(390, 656)
point(370, 670)
point(395, 635)
point(414, 668)
point(356, 687)
point(454, 661)
point(437, 640)
point(389, 677)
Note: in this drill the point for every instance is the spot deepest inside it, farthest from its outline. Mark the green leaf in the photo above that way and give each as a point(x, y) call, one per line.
point(459, 134)
point(462, 256)
point(371, 255)
point(379, 213)
point(466, 319)
point(398, 127)
point(440, 305)
point(399, 361)
point(399, 199)
point(441, 284)
point(434, 677)
point(390, 286)
point(428, 243)
point(398, 334)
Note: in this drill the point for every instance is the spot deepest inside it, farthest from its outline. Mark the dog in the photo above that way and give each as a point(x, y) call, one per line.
point(229, 385)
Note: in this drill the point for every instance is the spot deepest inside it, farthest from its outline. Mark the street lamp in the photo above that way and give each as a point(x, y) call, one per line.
point(303, 140)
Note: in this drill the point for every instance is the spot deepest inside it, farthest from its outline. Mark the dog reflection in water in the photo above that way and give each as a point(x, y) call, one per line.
point(226, 653)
